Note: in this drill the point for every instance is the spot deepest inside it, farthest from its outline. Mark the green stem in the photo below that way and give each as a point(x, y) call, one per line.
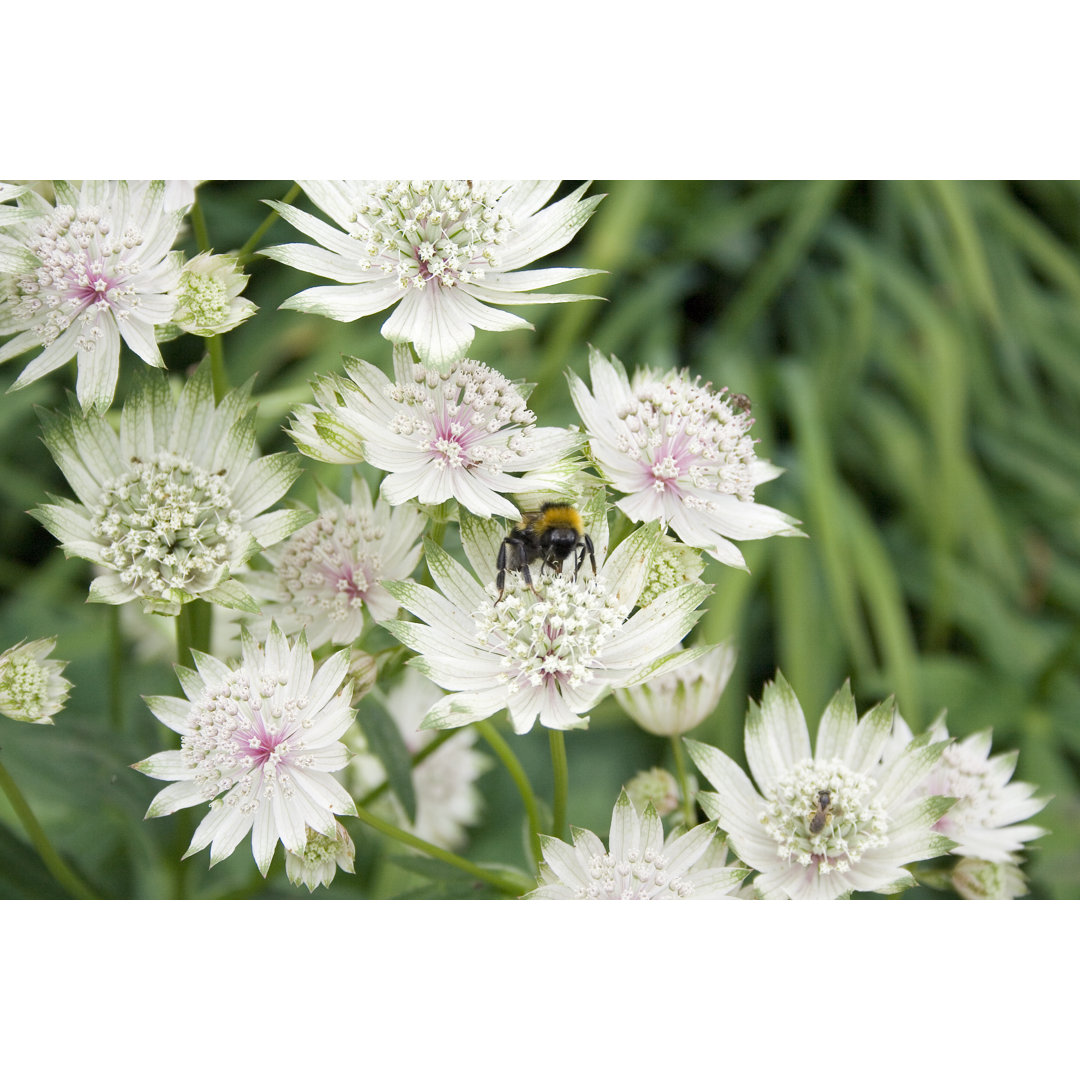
point(214, 345)
point(198, 224)
point(244, 254)
point(509, 759)
point(67, 879)
point(424, 752)
point(689, 810)
point(193, 629)
point(561, 775)
point(513, 885)
point(116, 668)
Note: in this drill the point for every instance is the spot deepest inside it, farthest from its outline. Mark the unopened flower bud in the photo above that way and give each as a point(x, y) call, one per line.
point(678, 701)
point(977, 879)
point(656, 786)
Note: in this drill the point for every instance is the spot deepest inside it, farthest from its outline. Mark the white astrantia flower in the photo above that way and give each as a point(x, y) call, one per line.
point(32, 688)
point(327, 574)
point(677, 701)
point(823, 824)
point(983, 819)
point(447, 798)
point(316, 863)
point(208, 299)
point(551, 654)
point(98, 269)
point(461, 434)
point(172, 505)
point(258, 740)
point(681, 452)
point(442, 250)
point(638, 864)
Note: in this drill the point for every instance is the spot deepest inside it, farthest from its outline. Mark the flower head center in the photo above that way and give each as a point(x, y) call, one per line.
point(24, 686)
point(823, 814)
point(684, 435)
point(430, 232)
point(202, 300)
point(469, 417)
point(966, 777)
point(556, 637)
point(243, 737)
point(328, 566)
point(167, 525)
point(637, 875)
point(85, 265)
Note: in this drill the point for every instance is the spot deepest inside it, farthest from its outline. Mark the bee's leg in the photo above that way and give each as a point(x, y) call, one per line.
point(528, 577)
point(500, 566)
point(586, 542)
point(517, 560)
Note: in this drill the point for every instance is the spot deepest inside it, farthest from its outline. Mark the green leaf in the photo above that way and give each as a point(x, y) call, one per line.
point(385, 742)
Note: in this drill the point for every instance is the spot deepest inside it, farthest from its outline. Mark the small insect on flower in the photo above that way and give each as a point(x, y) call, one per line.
point(553, 533)
point(821, 814)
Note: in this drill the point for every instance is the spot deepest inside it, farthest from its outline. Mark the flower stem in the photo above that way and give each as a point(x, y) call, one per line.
point(116, 668)
point(561, 775)
point(214, 345)
point(67, 879)
point(689, 810)
point(512, 885)
point(532, 811)
point(244, 254)
point(193, 628)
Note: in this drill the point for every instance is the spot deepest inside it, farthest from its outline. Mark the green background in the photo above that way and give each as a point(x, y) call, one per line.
point(912, 352)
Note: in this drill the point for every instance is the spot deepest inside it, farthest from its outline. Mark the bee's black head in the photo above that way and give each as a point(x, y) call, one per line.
point(560, 542)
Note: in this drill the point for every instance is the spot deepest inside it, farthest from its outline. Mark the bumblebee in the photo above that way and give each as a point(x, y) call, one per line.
point(552, 534)
point(821, 814)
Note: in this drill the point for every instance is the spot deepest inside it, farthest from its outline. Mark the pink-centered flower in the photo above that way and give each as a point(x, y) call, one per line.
point(984, 820)
point(327, 574)
point(258, 739)
point(682, 453)
point(461, 434)
point(97, 268)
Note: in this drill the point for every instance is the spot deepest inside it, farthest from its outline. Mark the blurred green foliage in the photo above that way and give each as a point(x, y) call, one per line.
point(912, 352)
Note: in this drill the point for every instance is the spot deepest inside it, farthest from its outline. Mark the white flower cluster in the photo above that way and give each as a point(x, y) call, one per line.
point(548, 610)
